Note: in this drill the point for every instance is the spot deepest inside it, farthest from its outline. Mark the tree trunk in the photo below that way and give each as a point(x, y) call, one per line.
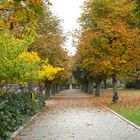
point(59, 88)
point(56, 87)
point(62, 87)
point(115, 91)
point(83, 87)
point(52, 90)
point(105, 85)
point(48, 90)
point(90, 87)
point(98, 87)
point(30, 89)
point(86, 87)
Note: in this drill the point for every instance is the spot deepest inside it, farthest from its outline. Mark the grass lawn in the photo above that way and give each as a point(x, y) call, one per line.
point(130, 91)
point(131, 114)
point(129, 106)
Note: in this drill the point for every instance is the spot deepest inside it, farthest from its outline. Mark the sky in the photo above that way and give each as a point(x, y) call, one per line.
point(68, 11)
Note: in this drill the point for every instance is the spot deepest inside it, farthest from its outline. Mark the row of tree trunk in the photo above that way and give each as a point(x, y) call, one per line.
point(88, 87)
point(50, 89)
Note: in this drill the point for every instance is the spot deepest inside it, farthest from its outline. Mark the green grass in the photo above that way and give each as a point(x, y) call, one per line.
point(132, 115)
point(130, 91)
point(129, 107)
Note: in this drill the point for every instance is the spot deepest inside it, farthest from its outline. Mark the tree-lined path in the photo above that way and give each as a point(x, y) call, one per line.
point(40, 56)
point(71, 115)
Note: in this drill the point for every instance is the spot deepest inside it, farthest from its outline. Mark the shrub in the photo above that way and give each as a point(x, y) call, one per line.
point(135, 84)
point(14, 109)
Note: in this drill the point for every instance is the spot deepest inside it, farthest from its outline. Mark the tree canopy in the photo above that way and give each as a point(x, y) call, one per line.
point(109, 38)
point(31, 41)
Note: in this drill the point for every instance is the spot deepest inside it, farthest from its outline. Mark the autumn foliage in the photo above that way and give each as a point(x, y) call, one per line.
point(22, 25)
point(108, 44)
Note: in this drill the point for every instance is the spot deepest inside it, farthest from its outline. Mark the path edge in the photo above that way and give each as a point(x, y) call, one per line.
point(122, 118)
point(14, 134)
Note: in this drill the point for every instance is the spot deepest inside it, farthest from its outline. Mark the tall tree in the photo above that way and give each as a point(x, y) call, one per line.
point(49, 44)
point(109, 38)
point(18, 24)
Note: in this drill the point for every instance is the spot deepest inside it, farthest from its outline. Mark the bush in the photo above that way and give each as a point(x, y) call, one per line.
point(14, 110)
point(135, 85)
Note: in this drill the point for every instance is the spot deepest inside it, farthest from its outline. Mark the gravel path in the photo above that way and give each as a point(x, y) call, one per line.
point(73, 116)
